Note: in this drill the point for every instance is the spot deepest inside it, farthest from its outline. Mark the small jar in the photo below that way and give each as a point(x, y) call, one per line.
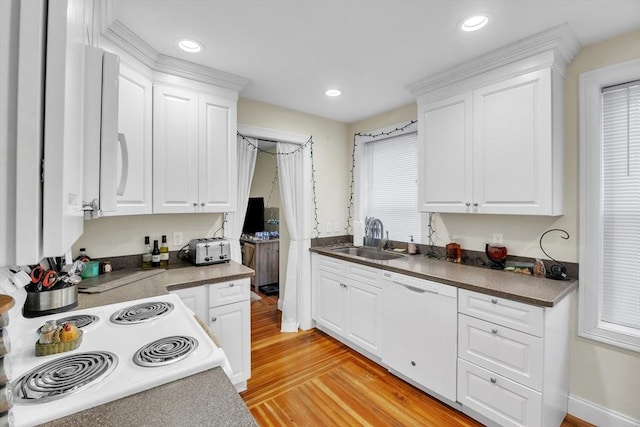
point(106, 267)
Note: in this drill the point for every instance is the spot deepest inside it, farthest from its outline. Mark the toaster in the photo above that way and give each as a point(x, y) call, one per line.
point(212, 250)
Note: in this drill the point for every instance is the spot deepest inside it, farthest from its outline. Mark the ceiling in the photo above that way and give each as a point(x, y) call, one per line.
point(293, 50)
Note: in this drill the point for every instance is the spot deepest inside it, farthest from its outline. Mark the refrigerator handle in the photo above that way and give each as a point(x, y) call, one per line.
point(124, 173)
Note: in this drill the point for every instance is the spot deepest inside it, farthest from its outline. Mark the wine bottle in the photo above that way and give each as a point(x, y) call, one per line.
point(164, 253)
point(155, 255)
point(146, 255)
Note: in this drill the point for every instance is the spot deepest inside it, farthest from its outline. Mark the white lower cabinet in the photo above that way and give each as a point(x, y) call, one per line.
point(225, 306)
point(230, 321)
point(348, 309)
point(513, 360)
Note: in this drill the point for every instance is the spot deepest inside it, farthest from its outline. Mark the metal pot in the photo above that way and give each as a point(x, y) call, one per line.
point(51, 302)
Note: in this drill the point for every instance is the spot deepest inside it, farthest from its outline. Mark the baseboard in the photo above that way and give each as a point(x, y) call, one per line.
point(598, 415)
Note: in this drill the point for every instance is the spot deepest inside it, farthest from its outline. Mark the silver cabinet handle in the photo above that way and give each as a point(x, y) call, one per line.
point(494, 380)
point(213, 319)
point(494, 301)
point(413, 363)
point(494, 331)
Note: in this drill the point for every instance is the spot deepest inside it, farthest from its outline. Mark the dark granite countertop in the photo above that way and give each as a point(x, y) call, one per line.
point(206, 398)
point(518, 287)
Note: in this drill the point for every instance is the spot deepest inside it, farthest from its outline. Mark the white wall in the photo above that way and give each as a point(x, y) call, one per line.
point(601, 374)
point(263, 179)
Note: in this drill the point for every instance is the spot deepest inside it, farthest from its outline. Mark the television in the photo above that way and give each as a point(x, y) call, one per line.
point(254, 219)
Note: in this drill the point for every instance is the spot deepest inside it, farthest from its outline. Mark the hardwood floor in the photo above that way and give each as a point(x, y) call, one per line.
point(311, 379)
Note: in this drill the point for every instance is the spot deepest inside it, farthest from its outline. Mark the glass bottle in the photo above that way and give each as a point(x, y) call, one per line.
point(146, 255)
point(155, 255)
point(164, 253)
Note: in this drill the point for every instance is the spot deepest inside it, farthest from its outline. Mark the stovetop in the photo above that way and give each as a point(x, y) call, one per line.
point(134, 354)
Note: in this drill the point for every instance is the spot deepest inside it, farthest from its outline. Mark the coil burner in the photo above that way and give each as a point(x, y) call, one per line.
point(80, 320)
point(141, 312)
point(165, 351)
point(63, 376)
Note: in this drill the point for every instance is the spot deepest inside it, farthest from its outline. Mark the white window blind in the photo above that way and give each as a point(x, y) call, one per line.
point(620, 180)
point(392, 185)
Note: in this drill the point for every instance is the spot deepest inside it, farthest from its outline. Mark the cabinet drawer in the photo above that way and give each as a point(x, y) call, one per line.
point(512, 354)
point(331, 265)
point(512, 314)
point(228, 292)
point(503, 401)
point(363, 273)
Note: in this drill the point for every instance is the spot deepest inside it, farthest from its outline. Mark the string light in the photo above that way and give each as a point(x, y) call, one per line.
point(348, 227)
point(431, 231)
point(309, 143)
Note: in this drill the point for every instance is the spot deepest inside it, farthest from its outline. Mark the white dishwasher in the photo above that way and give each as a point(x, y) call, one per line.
point(420, 332)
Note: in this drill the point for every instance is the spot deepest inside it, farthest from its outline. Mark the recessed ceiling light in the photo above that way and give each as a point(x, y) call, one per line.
point(474, 23)
point(189, 45)
point(333, 92)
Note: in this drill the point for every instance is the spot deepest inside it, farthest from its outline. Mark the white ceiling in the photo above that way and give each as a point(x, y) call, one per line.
point(293, 50)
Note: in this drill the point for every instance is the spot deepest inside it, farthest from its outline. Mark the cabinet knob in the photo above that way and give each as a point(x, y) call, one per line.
point(494, 301)
point(494, 380)
point(467, 204)
point(202, 203)
point(231, 285)
point(494, 331)
point(195, 204)
point(213, 319)
point(413, 363)
point(475, 205)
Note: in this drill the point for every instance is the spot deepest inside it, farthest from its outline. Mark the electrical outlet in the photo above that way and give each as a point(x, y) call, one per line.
point(336, 227)
point(497, 239)
point(178, 238)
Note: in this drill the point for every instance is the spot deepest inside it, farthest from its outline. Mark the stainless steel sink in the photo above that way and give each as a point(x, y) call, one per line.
point(369, 253)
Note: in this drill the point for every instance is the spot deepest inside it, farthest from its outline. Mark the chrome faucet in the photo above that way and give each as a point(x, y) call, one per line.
point(373, 232)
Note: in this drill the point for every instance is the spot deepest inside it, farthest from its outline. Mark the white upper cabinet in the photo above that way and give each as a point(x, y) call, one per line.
point(194, 152)
point(217, 183)
point(490, 131)
point(134, 158)
point(175, 150)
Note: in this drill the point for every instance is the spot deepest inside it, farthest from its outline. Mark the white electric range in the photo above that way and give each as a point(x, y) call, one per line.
point(126, 348)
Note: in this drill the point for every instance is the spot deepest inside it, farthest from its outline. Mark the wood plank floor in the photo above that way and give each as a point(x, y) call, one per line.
point(311, 379)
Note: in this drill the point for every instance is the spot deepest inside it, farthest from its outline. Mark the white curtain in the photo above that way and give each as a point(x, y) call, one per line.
point(296, 302)
point(246, 165)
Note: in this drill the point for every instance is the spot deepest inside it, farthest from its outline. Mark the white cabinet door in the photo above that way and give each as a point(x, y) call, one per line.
point(196, 299)
point(497, 398)
point(134, 162)
point(217, 154)
point(364, 315)
point(445, 155)
point(175, 150)
point(512, 145)
point(63, 217)
point(331, 304)
point(230, 324)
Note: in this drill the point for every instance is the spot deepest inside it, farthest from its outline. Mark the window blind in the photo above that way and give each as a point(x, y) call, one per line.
point(620, 178)
point(392, 185)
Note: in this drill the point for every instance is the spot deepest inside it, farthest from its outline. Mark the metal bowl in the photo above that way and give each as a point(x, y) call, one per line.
point(50, 301)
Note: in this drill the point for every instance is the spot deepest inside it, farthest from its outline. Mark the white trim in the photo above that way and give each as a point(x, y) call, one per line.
point(554, 47)
point(271, 134)
point(589, 310)
point(598, 415)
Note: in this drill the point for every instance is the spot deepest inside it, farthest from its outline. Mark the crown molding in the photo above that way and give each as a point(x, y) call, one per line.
point(123, 38)
point(559, 41)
